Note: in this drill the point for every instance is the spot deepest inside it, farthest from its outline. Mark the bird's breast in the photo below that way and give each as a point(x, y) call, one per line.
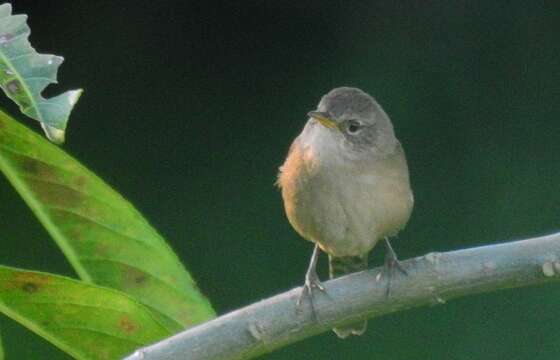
point(344, 206)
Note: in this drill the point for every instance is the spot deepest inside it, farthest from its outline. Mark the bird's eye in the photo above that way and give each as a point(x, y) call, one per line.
point(353, 126)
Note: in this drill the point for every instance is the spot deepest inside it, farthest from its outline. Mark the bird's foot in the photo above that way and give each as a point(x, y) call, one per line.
point(312, 282)
point(392, 264)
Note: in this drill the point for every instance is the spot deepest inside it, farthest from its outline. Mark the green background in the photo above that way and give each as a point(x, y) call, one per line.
point(190, 107)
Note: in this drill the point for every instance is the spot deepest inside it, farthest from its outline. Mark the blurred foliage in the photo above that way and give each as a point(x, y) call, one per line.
point(191, 108)
point(84, 320)
point(101, 234)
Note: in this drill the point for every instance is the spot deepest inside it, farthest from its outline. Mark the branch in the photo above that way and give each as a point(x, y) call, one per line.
point(434, 278)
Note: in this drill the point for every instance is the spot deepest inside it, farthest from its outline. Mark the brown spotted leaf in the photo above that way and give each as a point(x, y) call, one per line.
point(104, 237)
point(85, 320)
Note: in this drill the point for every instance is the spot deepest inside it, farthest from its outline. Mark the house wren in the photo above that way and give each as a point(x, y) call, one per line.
point(345, 185)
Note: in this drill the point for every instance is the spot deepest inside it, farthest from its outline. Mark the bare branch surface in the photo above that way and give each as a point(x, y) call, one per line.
point(434, 278)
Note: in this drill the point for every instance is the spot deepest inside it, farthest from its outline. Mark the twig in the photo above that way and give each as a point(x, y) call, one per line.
point(432, 279)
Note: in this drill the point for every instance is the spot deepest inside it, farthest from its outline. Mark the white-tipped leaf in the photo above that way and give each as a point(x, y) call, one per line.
point(24, 74)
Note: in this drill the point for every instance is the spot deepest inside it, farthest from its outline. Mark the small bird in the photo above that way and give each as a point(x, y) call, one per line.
point(345, 186)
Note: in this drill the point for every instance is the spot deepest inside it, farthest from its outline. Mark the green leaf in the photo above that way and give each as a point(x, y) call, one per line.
point(104, 237)
point(85, 320)
point(24, 74)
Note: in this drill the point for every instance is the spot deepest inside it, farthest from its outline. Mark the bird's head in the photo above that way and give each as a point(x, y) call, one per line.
point(354, 119)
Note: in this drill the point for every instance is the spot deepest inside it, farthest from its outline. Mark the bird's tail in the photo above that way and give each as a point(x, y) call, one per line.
point(339, 266)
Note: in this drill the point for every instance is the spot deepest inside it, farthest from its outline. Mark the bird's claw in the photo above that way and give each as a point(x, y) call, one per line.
point(392, 263)
point(311, 282)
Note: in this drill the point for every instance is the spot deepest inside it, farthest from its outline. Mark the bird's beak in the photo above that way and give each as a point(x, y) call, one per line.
point(323, 118)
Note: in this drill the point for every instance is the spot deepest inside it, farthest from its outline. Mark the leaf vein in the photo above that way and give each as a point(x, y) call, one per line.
point(140, 241)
